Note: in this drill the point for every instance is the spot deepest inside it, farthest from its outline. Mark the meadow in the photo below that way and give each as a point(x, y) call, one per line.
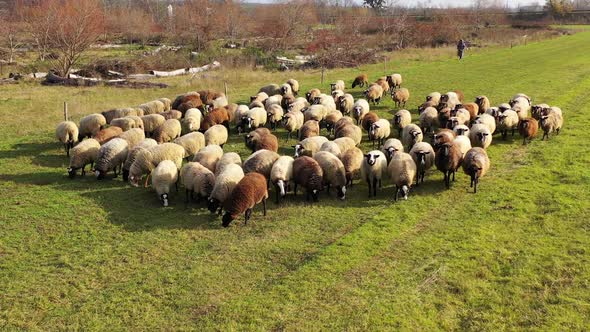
point(84, 254)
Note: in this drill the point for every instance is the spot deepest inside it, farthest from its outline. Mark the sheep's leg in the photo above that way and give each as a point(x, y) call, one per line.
point(512, 132)
point(369, 184)
point(453, 176)
point(264, 207)
point(145, 185)
point(524, 141)
point(328, 188)
point(83, 170)
point(375, 187)
point(475, 185)
point(396, 191)
point(247, 216)
point(295, 189)
point(277, 195)
point(187, 195)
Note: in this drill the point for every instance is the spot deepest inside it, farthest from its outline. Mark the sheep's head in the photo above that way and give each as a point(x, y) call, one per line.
point(444, 98)
point(415, 135)
point(357, 111)
point(373, 129)
point(284, 89)
point(281, 188)
point(397, 119)
point(298, 150)
point(71, 172)
point(332, 86)
point(482, 136)
point(504, 107)
point(100, 174)
point(461, 130)
point(227, 219)
point(371, 158)
point(421, 158)
point(164, 198)
point(404, 191)
point(317, 100)
point(212, 204)
point(545, 110)
point(341, 193)
point(391, 151)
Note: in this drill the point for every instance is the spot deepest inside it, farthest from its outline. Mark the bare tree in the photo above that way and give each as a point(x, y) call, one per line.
point(9, 39)
point(38, 21)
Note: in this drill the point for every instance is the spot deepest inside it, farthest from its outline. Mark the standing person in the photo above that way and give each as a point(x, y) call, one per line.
point(461, 48)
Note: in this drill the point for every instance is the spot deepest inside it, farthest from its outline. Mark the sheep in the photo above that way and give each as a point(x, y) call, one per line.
point(298, 105)
point(216, 135)
point(344, 143)
point(137, 120)
point(391, 147)
point(163, 177)
point(208, 156)
point(183, 98)
point(254, 137)
point(311, 94)
point(218, 116)
point(225, 182)
point(259, 97)
point(331, 147)
point(327, 101)
point(450, 98)
point(480, 136)
point(483, 103)
point(463, 143)
point(231, 110)
point(309, 146)
point(197, 179)
point(192, 142)
point(382, 82)
point(447, 160)
point(444, 114)
point(90, 125)
point(133, 137)
point(256, 117)
point(394, 81)
point(368, 120)
point(315, 112)
point(401, 119)
point(262, 142)
point(209, 96)
point(185, 102)
point(486, 120)
point(345, 103)
point(494, 112)
point(167, 103)
point(151, 123)
point(168, 131)
point(191, 121)
point(116, 113)
point(380, 130)
point(111, 155)
point(521, 95)
point(123, 123)
point(146, 160)
point(171, 114)
point(361, 80)
point(107, 134)
point(402, 170)
point(83, 154)
point(360, 108)
point(67, 133)
point(352, 160)
point(472, 108)
point(226, 159)
point(274, 115)
point(428, 120)
point(536, 110)
point(462, 116)
point(461, 130)
point(443, 136)
point(331, 119)
point(309, 129)
point(261, 162)
point(255, 104)
point(508, 121)
point(338, 85)
point(336, 94)
point(281, 174)
point(476, 164)
point(350, 131)
point(152, 107)
point(434, 97)
point(423, 155)
point(373, 169)
point(220, 102)
point(132, 154)
point(251, 190)
point(521, 106)
point(272, 100)
point(400, 96)
point(294, 86)
point(411, 134)
point(374, 93)
point(333, 171)
point(552, 110)
point(550, 123)
point(308, 174)
point(271, 89)
point(504, 107)
point(293, 121)
point(344, 121)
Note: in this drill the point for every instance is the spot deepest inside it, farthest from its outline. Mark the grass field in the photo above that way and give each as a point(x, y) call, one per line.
point(87, 255)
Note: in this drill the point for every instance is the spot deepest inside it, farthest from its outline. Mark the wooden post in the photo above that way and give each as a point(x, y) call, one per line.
point(323, 70)
point(385, 64)
point(225, 89)
point(65, 111)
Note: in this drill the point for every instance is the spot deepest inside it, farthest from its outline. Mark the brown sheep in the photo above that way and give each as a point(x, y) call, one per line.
point(443, 117)
point(216, 116)
point(528, 129)
point(286, 101)
point(425, 105)
point(350, 130)
point(447, 160)
point(107, 134)
point(256, 142)
point(309, 129)
point(311, 94)
point(185, 98)
point(483, 103)
point(352, 160)
point(384, 84)
point(346, 120)
point(368, 120)
point(400, 96)
point(208, 96)
point(476, 164)
point(361, 81)
point(472, 108)
point(251, 190)
point(172, 114)
point(308, 174)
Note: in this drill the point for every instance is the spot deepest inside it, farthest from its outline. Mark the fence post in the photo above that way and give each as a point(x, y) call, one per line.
point(65, 111)
point(323, 69)
point(225, 90)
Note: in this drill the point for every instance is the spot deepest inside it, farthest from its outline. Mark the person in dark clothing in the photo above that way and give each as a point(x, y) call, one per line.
point(461, 48)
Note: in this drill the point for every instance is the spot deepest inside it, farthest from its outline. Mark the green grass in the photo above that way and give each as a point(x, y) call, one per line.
point(88, 255)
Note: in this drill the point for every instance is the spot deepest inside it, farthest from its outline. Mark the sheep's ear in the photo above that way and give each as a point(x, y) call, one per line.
point(293, 146)
point(377, 156)
point(427, 152)
point(367, 155)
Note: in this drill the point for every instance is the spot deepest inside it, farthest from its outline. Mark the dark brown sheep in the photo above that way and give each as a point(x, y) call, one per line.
point(384, 84)
point(251, 190)
point(309, 129)
point(369, 119)
point(216, 116)
point(361, 81)
point(185, 98)
point(107, 134)
point(528, 129)
point(472, 108)
point(196, 103)
point(287, 100)
point(256, 141)
point(443, 117)
point(483, 103)
point(447, 160)
point(442, 136)
point(342, 123)
point(308, 174)
point(208, 96)
point(425, 105)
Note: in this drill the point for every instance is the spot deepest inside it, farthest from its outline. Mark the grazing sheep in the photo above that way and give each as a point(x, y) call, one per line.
point(391, 147)
point(311, 94)
point(352, 160)
point(346, 103)
point(382, 82)
point(360, 108)
point(256, 117)
point(163, 177)
point(294, 85)
point(197, 179)
point(146, 160)
point(181, 99)
point(411, 134)
point(373, 169)
point(117, 113)
point(368, 120)
point(333, 171)
point(261, 162)
point(152, 107)
point(350, 131)
point(83, 154)
point(225, 182)
point(308, 174)
point(281, 174)
point(124, 123)
point(428, 120)
point(394, 81)
point(486, 120)
point(273, 100)
point(521, 106)
point(508, 121)
point(336, 94)
point(271, 89)
point(137, 120)
point(315, 112)
point(208, 156)
point(216, 135)
point(480, 136)
point(151, 123)
point(192, 142)
point(309, 146)
point(461, 130)
point(434, 97)
point(262, 142)
point(168, 131)
point(400, 96)
point(220, 102)
point(472, 108)
point(293, 121)
point(251, 190)
point(344, 121)
point(133, 137)
point(536, 110)
point(309, 129)
point(423, 155)
point(209, 96)
point(476, 164)
point(344, 143)
point(402, 171)
point(90, 125)
point(218, 116)
point(191, 121)
point(132, 154)
point(172, 114)
point(256, 104)
point(226, 159)
point(401, 119)
point(550, 123)
point(331, 119)
point(327, 101)
point(259, 97)
point(463, 143)
point(274, 115)
point(298, 105)
point(111, 155)
point(331, 147)
point(338, 85)
point(167, 103)
point(447, 160)
point(483, 103)
point(379, 131)
point(107, 134)
point(67, 133)
point(374, 93)
point(360, 80)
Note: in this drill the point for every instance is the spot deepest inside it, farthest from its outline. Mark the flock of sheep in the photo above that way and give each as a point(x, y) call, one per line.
point(154, 138)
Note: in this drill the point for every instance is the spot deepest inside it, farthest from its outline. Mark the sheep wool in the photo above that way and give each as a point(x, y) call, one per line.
point(360, 80)
point(168, 131)
point(107, 134)
point(391, 147)
point(191, 143)
point(146, 160)
point(308, 174)
point(143, 145)
point(345, 103)
point(476, 164)
point(309, 146)
point(402, 171)
point(373, 169)
point(294, 85)
point(225, 183)
point(480, 136)
point(90, 125)
point(447, 160)
point(350, 131)
point(411, 134)
point(400, 96)
point(332, 148)
point(429, 120)
point(360, 108)
point(209, 156)
point(226, 159)
point(463, 143)
point(151, 123)
point(111, 155)
point(281, 174)
point(83, 154)
point(261, 162)
point(309, 129)
point(401, 119)
point(133, 137)
point(423, 155)
point(334, 173)
point(197, 179)
point(216, 135)
point(251, 190)
point(352, 160)
point(344, 143)
point(123, 123)
point(67, 133)
point(163, 177)
point(379, 131)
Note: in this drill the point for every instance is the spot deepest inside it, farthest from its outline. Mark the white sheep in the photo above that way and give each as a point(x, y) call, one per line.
point(391, 147)
point(192, 120)
point(331, 147)
point(111, 154)
point(480, 136)
point(261, 162)
point(423, 155)
point(67, 133)
point(401, 119)
point(293, 121)
point(216, 135)
point(411, 134)
point(338, 85)
point(256, 117)
point(192, 142)
point(271, 89)
point(163, 177)
point(315, 112)
point(327, 101)
point(508, 120)
point(402, 171)
point(334, 173)
point(344, 143)
point(225, 183)
point(373, 169)
point(281, 175)
point(346, 103)
point(226, 159)
point(286, 89)
point(521, 106)
point(461, 130)
point(83, 154)
point(274, 115)
point(429, 120)
point(434, 97)
point(379, 131)
point(197, 179)
point(90, 125)
point(487, 120)
point(309, 146)
point(132, 153)
point(463, 143)
point(360, 108)
point(209, 156)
